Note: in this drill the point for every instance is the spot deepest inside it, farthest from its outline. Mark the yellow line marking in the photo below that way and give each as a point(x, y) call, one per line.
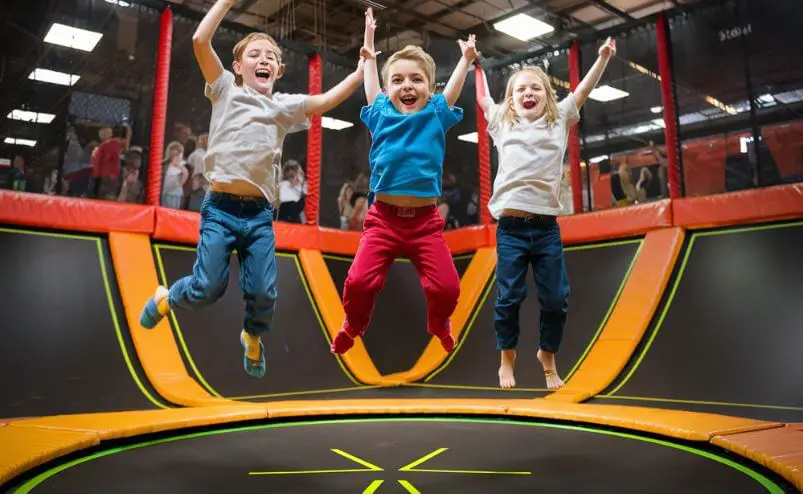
point(421, 460)
point(353, 458)
point(373, 487)
point(310, 472)
point(409, 487)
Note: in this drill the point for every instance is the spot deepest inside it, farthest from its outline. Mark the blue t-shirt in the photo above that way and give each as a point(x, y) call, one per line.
point(407, 151)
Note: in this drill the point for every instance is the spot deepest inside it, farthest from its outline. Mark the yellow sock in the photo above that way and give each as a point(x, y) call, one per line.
point(252, 342)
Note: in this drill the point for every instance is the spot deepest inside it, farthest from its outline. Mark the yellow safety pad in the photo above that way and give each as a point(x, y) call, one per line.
point(306, 408)
point(124, 424)
point(156, 348)
point(23, 448)
point(330, 306)
point(673, 423)
point(780, 450)
point(630, 317)
point(472, 285)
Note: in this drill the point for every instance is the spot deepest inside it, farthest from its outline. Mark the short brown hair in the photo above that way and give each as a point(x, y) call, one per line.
point(417, 55)
point(239, 49)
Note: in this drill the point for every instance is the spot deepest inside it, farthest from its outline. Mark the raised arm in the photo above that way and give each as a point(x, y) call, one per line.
point(371, 74)
point(210, 64)
point(322, 103)
point(589, 82)
point(484, 98)
point(458, 78)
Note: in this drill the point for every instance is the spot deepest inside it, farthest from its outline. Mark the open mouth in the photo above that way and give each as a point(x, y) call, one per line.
point(529, 105)
point(408, 100)
point(263, 75)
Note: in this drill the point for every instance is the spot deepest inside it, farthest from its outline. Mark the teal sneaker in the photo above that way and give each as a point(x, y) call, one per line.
point(255, 368)
point(155, 308)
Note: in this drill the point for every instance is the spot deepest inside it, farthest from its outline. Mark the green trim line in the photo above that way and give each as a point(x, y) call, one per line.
point(610, 309)
point(157, 250)
point(675, 286)
point(109, 300)
point(492, 281)
point(699, 402)
point(304, 393)
point(186, 350)
point(373, 487)
point(768, 484)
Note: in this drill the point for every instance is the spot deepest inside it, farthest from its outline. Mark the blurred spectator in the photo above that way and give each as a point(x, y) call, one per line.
point(359, 206)
point(18, 174)
point(196, 158)
point(77, 169)
point(362, 183)
point(195, 164)
point(175, 175)
point(131, 189)
point(199, 187)
point(344, 205)
point(106, 162)
point(451, 192)
point(445, 211)
point(292, 193)
point(473, 208)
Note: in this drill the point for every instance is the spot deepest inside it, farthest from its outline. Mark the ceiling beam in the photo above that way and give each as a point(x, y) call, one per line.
point(602, 4)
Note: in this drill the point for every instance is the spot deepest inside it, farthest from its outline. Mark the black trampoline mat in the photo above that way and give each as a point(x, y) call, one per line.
point(596, 275)
point(296, 349)
point(424, 455)
point(397, 334)
point(64, 348)
point(728, 338)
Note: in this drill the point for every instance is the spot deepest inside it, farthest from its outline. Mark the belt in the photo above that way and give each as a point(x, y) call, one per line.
point(225, 196)
point(405, 211)
point(532, 219)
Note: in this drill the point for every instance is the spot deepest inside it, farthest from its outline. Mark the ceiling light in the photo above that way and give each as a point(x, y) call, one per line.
point(472, 137)
point(597, 159)
point(31, 116)
point(657, 109)
point(53, 77)
point(72, 37)
point(20, 142)
point(659, 122)
point(523, 27)
point(334, 123)
point(607, 93)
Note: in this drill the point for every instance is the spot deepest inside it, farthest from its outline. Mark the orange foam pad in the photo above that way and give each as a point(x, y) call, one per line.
point(156, 348)
point(24, 448)
point(467, 239)
point(779, 449)
point(173, 225)
point(615, 223)
point(328, 301)
point(672, 423)
point(630, 317)
point(115, 425)
point(72, 214)
point(748, 206)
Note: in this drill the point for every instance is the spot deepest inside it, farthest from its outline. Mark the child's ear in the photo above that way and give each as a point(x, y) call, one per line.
point(236, 67)
point(281, 71)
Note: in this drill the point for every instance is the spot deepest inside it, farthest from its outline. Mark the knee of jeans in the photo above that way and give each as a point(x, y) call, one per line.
point(210, 294)
point(554, 304)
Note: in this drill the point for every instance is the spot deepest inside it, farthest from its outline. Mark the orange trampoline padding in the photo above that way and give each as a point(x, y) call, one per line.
point(156, 348)
point(28, 447)
point(615, 223)
point(630, 317)
point(743, 207)
point(173, 225)
point(115, 425)
point(72, 214)
point(780, 450)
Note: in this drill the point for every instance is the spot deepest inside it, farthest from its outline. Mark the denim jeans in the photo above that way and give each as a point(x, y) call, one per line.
point(228, 223)
point(520, 243)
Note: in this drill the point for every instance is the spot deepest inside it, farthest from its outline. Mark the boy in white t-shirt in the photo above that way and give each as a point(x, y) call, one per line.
point(246, 133)
point(530, 130)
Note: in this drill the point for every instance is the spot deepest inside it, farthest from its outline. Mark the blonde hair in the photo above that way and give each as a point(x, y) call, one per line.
point(507, 114)
point(417, 55)
point(239, 49)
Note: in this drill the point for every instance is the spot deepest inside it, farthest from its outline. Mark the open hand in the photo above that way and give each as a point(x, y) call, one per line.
point(468, 48)
point(608, 49)
point(370, 28)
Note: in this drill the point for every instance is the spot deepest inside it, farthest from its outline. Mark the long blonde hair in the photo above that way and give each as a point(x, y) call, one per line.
point(507, 114)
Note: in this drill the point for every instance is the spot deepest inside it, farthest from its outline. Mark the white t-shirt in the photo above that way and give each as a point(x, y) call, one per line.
point(531, 161)
point(247, 131)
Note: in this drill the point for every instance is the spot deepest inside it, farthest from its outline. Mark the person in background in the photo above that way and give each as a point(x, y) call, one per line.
point(131, 189)
point(175, 175)
point(292, 193)
point(18, 174)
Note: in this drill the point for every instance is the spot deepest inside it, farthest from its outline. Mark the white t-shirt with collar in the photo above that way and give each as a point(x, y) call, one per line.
point(247, 131)
point(531, 161)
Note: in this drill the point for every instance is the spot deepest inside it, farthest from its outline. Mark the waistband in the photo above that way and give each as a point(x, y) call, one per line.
point(225, 196)
point(530, 219)
point(405, 212)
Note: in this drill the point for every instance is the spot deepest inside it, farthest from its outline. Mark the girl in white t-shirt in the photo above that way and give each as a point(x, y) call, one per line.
point(530, 129)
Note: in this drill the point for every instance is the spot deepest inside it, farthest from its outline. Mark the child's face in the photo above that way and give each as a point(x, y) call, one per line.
point(529, 96)
point(259, 66)
point(408, 86)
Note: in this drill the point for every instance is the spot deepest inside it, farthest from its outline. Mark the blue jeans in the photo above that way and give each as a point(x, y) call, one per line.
point(520, 243)
point(228, 223)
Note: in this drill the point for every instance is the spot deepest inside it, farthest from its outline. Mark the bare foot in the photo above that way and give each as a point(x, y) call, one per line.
point(547, 359)
point(506, 378)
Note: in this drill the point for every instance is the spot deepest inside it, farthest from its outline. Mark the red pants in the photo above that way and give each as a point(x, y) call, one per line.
point(388, 232)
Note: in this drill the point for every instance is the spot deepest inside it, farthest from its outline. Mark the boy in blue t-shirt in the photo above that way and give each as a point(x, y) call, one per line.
point(408, 127)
